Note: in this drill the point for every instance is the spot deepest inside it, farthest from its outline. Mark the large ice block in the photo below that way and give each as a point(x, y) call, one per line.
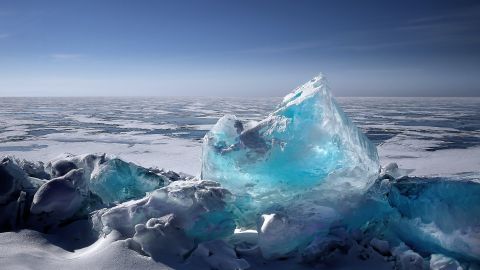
point(307, 142)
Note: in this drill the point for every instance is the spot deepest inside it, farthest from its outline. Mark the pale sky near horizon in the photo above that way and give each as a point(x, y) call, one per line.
point(238, 48)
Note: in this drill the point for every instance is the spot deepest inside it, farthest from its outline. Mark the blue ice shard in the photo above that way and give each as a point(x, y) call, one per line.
point(111, 179)
point(438, 215)
point(307, 142)
point(115, 181)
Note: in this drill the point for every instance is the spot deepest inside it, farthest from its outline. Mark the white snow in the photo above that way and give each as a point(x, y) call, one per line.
point(32, 250)
point(409, 154)
point(180, 155)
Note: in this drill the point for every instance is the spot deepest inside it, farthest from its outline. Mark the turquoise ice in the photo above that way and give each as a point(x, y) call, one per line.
point(111, 179)
point(115, 181)
point(437, 215)
point(306, 143)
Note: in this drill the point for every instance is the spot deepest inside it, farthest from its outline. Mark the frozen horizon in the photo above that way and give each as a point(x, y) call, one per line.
point(205, 135)
point(89, 125)
point(89, 181)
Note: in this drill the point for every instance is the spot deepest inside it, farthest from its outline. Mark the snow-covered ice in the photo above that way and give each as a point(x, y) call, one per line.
point(301, 189)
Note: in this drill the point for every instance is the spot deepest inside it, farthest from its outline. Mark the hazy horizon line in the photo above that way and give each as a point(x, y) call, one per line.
point(206, 96)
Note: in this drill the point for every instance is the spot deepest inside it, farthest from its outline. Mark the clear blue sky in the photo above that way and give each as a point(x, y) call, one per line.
point(238, 48)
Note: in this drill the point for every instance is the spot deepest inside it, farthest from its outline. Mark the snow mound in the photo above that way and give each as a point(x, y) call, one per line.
point(198, 208)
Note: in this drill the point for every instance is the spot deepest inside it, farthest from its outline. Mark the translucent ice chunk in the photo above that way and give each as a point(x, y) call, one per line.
point(116, 181)
point(307, 142)
point(438, 215)
point(111, 179)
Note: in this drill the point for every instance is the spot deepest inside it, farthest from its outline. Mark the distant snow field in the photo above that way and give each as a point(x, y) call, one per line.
point(434, 136)
point(102, 212)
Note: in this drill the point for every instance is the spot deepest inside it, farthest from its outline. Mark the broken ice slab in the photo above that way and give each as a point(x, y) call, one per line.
point(116, 181)
point(438, 215)
point(111, 179)
point(307, 142)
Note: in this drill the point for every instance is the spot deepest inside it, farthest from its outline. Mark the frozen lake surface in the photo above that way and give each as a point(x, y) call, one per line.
point(434, 136)
point(438, 138)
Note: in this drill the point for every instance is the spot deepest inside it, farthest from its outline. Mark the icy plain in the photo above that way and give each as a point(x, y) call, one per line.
point(332, 209)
